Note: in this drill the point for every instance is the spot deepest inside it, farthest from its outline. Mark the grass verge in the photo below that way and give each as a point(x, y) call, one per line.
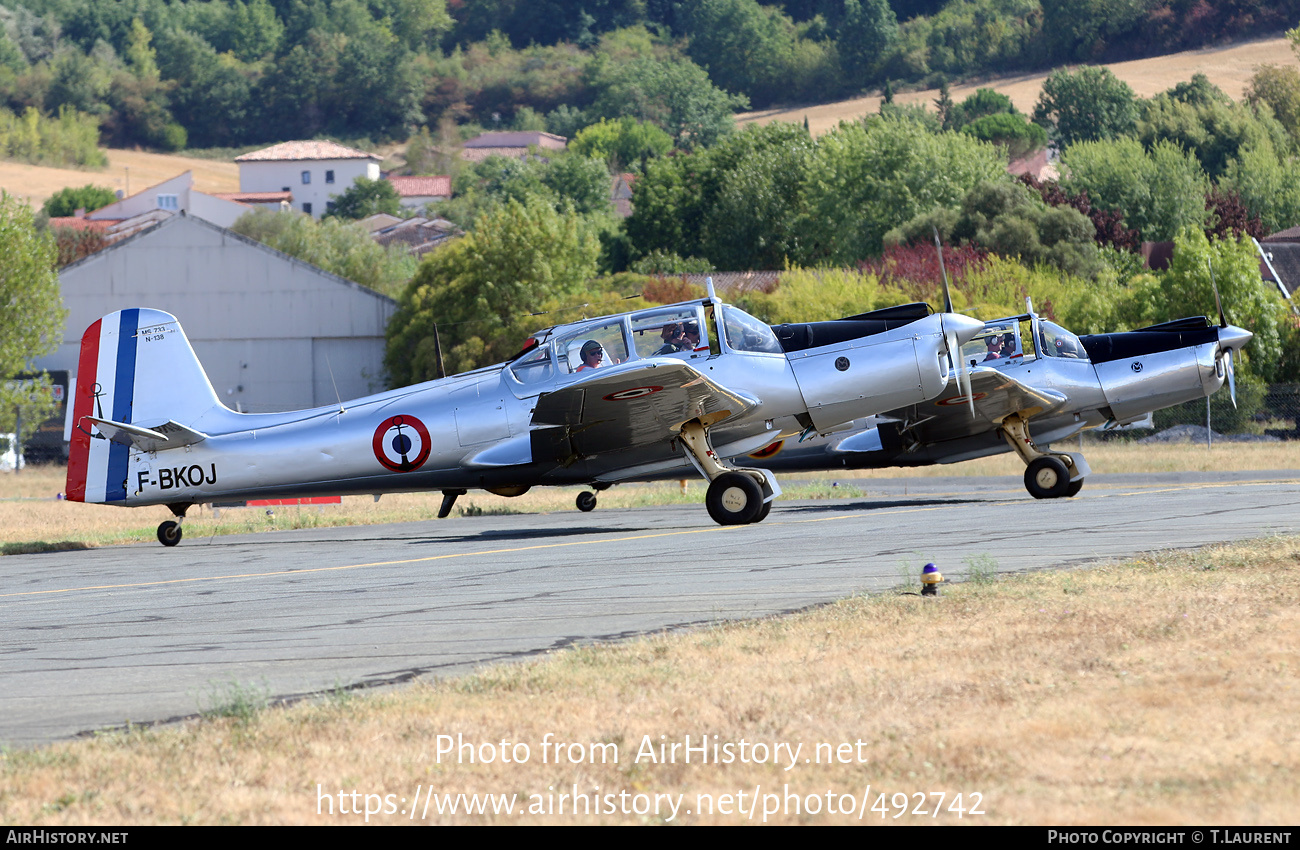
point(1156, 691)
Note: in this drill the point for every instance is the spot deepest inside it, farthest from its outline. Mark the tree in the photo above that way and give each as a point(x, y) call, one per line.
point(337, 246)
point(1012, 220)
point(1279, 87)
point(867, 178)
point(67, 201)
point(622, 143)
point(1159, 192)
point(31, 323)
point(366, 197)
point(1013, 132)
point(1090, 103)
point(481, 291)
point(676, 95)
point(867, 30)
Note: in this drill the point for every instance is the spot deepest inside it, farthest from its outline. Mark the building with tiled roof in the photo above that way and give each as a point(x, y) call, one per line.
point(176, 194)
point(313, 171)
point(512, 145)
point(415, 192)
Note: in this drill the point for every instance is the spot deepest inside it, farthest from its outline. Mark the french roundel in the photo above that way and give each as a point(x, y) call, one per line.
point(402, 443)
point(960, 399)
point(768, 451)
point(635, 392)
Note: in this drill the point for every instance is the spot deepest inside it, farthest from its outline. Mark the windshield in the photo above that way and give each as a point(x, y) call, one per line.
point(745, 333)
point(1058, 342)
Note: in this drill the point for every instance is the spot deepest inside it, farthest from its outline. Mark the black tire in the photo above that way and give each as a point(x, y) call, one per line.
point(763, 512)
point(734, 498)
point(1073, 489)
point(169, 533)
point(1047, 478)
point(586, 501)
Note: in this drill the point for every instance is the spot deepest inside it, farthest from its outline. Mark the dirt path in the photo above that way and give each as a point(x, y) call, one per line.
point(1229, 67)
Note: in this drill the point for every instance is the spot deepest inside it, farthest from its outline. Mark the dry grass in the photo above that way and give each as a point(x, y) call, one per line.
point(1229, 67)
point(32, 519)
point(1159, 691)
point(36, 183)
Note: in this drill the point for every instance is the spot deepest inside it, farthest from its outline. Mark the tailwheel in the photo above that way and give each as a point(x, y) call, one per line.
point(1047, 477)
point(169, 533)
point(734, 498)
point(586, 501)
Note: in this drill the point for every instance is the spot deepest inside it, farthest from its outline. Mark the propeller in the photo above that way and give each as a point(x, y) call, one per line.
point(1225, 353)
point(957, 362)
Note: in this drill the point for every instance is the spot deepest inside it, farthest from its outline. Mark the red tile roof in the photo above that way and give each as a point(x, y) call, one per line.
point(407, 187)
point(301, 151)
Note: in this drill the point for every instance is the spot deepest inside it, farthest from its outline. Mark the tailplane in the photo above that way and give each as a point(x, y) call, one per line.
point(138, 383)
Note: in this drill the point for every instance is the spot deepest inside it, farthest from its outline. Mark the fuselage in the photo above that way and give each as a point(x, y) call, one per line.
point(480, 429)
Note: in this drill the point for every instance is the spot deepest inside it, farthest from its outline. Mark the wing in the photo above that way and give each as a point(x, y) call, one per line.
point(639, 407)
point(948, 417)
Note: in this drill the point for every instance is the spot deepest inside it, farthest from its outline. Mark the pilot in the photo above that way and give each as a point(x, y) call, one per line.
point(593, 355)
point(691, 331)
point(994, 344)
point(673, 338)
point(1009, 344)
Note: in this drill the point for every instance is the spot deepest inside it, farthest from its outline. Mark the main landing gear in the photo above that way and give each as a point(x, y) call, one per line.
point(736, 496)
point(1048, 475)
point(169, 531)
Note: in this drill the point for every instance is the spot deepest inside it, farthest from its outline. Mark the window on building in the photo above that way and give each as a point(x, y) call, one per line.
point(306, 177)
point(329, 176)
point(306, 208)
point(168, 202)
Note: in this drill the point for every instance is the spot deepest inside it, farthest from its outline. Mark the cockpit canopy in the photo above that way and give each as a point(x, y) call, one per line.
point(1011, 340)
point(678, 330)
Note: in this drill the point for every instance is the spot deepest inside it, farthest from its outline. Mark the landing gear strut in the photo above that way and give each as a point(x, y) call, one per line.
point(1048, 475)
point(169, 531)
point(736, 496)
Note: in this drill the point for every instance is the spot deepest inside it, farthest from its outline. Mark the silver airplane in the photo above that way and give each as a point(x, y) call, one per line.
point(1033, 383)
point(592, 402)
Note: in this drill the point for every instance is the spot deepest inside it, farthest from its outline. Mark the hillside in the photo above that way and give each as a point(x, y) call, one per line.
point(1229, 67)
point(141, 169)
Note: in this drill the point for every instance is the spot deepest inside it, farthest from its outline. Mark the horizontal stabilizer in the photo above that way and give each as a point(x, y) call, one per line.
point(169, 435)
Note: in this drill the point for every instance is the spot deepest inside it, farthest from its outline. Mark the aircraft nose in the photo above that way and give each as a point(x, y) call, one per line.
point(1233, 337)
point(963, 326)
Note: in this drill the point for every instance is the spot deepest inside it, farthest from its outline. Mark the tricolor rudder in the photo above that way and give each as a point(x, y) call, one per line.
point(136, 367)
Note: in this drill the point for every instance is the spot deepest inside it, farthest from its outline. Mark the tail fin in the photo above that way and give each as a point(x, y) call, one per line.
point(136, 368)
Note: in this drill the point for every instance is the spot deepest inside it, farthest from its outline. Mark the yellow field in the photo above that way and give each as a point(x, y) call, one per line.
point(129, 171)
point(1229, 67)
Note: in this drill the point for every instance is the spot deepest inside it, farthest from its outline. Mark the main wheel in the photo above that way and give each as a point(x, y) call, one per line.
point(586, 501)
point(169, 533)
point(1074, 488)
point(734, 499)
point(763, 512)
point(1047, 478)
